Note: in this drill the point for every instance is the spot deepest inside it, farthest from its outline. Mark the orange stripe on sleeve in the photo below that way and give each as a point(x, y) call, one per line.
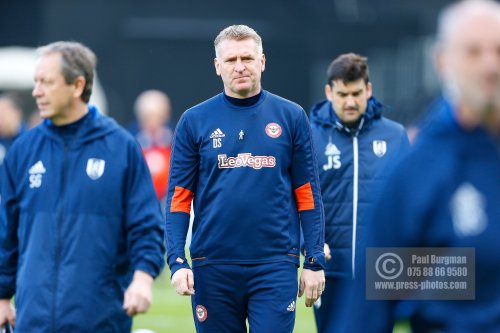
point(304, 197)
point(181, 201)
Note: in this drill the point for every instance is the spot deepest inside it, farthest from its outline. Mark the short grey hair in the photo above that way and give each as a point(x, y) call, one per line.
point(238, 32)
point(76, 60)
point(450, 16)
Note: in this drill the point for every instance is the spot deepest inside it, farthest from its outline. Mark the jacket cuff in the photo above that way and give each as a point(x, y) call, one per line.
point(177, 264)
point(7, 293)
point(315, 262)
point(152, 269)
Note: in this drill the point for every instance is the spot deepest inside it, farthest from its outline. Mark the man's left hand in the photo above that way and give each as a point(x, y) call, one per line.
point(139, 294)
point(312, 284)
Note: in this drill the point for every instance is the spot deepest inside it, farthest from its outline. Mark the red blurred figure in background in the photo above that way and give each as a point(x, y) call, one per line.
point(153, 112)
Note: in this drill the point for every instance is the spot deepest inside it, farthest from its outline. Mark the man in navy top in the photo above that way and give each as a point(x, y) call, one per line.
point(446, 192)
point(356, 146)
point(80, 225)
point(246, 159)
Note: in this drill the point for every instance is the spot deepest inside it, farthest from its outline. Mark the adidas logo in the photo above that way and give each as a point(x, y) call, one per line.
point(291, 307)
point(37, 168)
point(331, 149)
point(217, 134)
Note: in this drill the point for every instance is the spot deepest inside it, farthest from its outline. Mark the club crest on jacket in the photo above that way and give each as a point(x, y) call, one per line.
point(201, 313)
point(379, 147)
point(468, 211)
point(95, 168)
point(273, 130)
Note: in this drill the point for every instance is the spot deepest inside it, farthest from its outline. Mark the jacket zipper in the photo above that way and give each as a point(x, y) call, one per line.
point(58, 237)
point(354, 201)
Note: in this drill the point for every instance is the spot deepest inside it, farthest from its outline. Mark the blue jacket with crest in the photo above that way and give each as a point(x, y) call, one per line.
point(444, 194)
point(352, 162)
point(78, 216)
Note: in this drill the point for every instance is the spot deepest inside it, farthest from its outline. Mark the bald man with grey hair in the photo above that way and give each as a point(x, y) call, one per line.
point(153, 110)
point(446, 192)
point(467, 59)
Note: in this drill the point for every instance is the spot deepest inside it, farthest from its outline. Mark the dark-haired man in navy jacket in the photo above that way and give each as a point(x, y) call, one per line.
point(355, 148)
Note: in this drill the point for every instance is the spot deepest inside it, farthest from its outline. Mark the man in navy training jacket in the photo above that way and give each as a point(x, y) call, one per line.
point(356, 146)
point(246, 158)
point(446, 192)
point(80, 227)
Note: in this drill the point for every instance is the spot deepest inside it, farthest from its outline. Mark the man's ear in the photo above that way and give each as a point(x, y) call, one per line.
point(328, 92)
point(263, 60)
point(217, 65)
point(369, 89)
point(79, 86)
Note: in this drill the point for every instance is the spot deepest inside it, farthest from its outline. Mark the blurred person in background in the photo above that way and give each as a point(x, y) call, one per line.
point(153, 112)
point(355, 147)
point(81, 235)
point(446, 192)
point(246, 158)
point(34, 119)
point(11, 121)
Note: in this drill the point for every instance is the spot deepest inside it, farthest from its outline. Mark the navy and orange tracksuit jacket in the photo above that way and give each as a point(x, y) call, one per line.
point(252, 175)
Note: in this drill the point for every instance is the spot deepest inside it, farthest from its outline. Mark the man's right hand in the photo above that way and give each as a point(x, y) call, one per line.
point(183, 282)
point(7, 312)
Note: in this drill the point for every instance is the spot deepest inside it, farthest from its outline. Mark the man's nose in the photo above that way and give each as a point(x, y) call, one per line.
point(239, 66)
point(36, 90)
point(350, 101)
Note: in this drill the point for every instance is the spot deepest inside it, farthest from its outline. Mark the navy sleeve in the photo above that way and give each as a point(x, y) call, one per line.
point(305, 181)
point(184, 164)
point(9, 219)
point(143, 216)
